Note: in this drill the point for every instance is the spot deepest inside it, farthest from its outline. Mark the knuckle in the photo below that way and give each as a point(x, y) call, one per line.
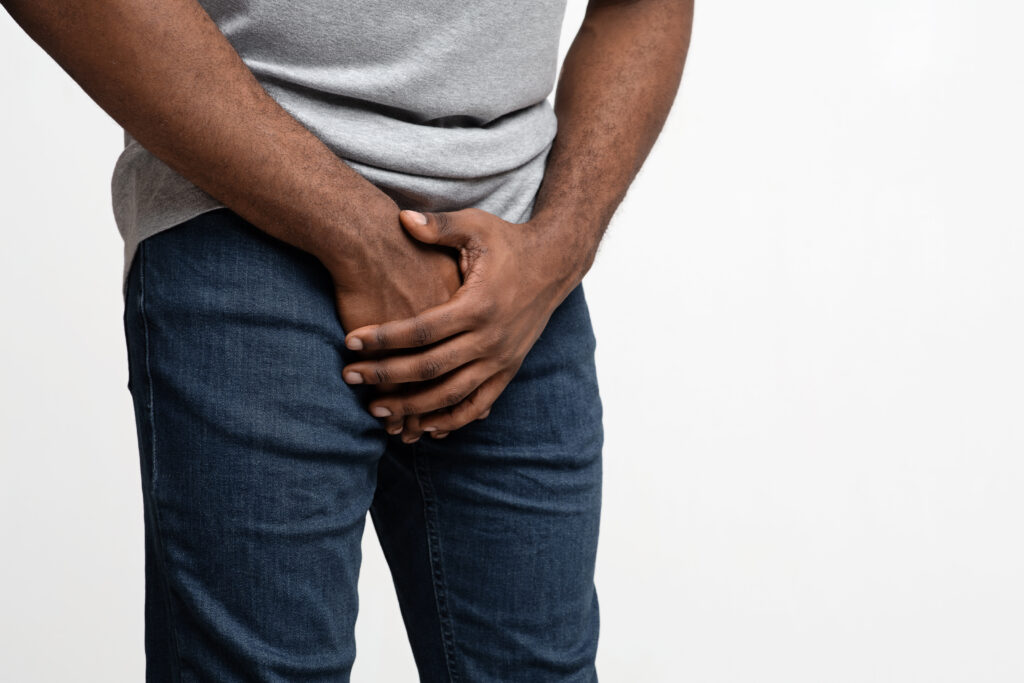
point(508, 359)
point(444, 222)
point(382, 374)
point(476, 248)
point(453, 397)
point(484, 310)
point(420, 332)
point(499, 337)
point(481, 346)
point(381, 336)
point(430, 368)
point(452, 358)
point(445, 318)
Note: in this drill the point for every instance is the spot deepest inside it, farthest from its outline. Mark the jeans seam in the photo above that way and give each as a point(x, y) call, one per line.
point(422, 470)
point(159, 546)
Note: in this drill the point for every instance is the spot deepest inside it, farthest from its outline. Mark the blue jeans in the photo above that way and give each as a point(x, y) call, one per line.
point(259, 465)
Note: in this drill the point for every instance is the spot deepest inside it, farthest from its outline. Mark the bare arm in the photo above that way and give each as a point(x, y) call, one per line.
point(617, 85)
point(615, 90)
point(165, 72)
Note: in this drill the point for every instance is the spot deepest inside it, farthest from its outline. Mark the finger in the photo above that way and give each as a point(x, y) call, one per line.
point(447, 392)
point(394, 425)
point(465, 310)
point(418, 367)
point(440, 227)
point(439, 435)
point(412, 432)
point(469, 409)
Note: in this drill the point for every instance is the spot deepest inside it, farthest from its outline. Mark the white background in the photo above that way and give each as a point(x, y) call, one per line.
point(810, 343)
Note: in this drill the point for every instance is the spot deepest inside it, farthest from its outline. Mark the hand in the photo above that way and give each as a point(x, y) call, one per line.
point(514, 277)
point(397, 277)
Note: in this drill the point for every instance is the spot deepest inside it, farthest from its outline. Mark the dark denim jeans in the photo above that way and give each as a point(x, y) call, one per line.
point(259, 465)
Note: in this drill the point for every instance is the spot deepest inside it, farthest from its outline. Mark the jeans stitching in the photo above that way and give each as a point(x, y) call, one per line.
point(422, 470)
point(159, 549)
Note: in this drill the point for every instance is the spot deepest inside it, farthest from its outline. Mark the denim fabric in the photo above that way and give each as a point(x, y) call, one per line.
point(259, 465)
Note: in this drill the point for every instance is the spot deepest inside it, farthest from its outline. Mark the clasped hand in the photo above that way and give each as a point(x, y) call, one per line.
point(453, 360)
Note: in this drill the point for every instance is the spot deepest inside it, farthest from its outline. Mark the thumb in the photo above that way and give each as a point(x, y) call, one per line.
point(435, 227)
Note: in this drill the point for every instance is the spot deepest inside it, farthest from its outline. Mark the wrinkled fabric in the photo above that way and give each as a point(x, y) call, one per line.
point(259, 465)
point(443, 105)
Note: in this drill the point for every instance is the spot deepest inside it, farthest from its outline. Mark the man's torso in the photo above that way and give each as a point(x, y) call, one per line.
point(440, 104)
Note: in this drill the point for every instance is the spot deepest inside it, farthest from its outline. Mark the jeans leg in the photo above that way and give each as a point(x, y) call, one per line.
point(258, 462)
point(494, 563)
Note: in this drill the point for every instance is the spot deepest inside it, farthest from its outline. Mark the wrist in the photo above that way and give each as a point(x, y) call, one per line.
point(355, 235)
point(568, 246)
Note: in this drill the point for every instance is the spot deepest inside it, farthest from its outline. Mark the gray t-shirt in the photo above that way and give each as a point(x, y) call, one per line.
point(442, 105)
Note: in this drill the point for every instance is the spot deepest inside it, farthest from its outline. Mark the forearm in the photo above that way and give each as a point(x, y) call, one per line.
point(165, 72)
point(617, 85)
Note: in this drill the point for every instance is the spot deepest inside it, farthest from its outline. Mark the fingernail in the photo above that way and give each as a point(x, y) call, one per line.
point(408, 440)
point(380, 411)
point(430, 429)
point(354, 343)
point(417, 217)
point(353, 378)
point(441, 435)
point(397, 429)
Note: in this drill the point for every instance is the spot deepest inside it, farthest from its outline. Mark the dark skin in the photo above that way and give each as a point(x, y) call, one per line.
point(453, 360)
point(168, 76)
